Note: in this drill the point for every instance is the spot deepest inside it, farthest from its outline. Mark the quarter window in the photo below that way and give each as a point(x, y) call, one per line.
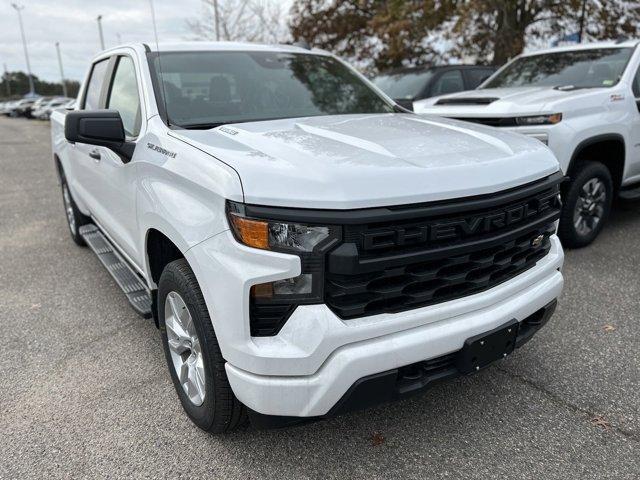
point(124, 96)
point(94, 88)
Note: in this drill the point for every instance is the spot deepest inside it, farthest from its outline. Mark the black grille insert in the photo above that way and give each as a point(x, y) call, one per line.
point(415, 262)
point(427, 283)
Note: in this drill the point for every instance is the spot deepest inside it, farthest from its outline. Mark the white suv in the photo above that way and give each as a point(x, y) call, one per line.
point(581, 101)
point(305, 246)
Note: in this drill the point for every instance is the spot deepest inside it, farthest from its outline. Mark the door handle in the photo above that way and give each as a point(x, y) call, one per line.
point(95, 154)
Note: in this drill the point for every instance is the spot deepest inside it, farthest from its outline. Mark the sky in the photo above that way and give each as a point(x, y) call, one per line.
point(73, 24)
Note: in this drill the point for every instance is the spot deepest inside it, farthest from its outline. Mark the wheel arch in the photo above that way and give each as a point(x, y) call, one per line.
point(608, 149)
point(160, 250)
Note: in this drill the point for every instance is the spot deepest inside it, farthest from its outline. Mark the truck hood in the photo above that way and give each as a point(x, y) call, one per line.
point(491, 102)
point(356, 161)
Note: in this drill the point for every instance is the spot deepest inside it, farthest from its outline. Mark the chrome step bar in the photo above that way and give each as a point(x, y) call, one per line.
point(124, 275)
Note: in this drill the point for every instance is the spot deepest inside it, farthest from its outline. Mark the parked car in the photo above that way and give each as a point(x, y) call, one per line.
point(38, 104)
point(22, 108)
point(305, 246)
point(8, 107)
point(583, 102)
point(406, 85)
point(44, 111)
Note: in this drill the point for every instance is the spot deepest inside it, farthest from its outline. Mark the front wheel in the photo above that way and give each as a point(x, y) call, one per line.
point(193, 354)
point(586, 205)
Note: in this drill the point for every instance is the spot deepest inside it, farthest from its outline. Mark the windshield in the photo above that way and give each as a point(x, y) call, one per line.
point(600, 67)
point(206, 89)
point(403, 85)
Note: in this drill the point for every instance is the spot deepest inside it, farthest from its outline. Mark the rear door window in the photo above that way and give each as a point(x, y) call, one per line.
point(94, 87)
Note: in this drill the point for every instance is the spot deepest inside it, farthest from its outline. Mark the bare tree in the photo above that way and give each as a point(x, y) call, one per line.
point(263, 21)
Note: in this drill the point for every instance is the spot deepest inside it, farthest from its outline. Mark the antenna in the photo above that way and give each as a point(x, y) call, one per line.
point(155, 34)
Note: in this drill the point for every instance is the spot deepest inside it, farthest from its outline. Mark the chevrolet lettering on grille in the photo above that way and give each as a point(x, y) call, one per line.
point(452, 230)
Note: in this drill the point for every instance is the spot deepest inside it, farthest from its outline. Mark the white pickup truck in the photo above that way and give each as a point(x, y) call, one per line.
point(305, 246)
point(584, 103)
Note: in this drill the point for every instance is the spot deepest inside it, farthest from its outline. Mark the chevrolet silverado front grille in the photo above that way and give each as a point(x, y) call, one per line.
point(426, 283)
point(440, 252)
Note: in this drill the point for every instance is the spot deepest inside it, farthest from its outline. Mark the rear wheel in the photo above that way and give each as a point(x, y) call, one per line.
point(193, 354)
point(587, 205)
point(75, 218)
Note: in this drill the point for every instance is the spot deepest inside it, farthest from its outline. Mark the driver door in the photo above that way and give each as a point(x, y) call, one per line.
point(114, 188)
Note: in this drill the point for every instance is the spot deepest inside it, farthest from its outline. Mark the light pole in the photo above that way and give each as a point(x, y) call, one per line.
point(64, 84)
point(19, 9)
point(216, 12)
point(99, 19)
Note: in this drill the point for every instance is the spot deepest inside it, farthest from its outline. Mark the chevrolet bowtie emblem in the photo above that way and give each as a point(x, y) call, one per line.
point(537, 241)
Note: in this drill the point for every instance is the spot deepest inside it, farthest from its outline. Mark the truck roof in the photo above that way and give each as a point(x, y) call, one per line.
point(585, 46)
point(200, 46)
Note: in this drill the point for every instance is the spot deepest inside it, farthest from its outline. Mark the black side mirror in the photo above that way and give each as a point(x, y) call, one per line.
point(638, 104)
point(99, 127)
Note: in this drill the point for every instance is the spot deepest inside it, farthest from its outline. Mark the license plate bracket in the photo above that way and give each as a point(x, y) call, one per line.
point(481, 350)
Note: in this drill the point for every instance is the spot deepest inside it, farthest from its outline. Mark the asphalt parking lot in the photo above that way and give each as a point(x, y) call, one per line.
point(84, 391)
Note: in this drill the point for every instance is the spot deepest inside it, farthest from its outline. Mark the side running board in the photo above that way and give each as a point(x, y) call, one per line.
point(126, 278)
point(630, 193)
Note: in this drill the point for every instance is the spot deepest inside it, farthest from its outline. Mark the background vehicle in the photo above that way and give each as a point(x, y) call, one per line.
point(305, 247)
point(22, 108)
point(407, 85)
point(40, 101)
point(44, 110)
point(583, 101)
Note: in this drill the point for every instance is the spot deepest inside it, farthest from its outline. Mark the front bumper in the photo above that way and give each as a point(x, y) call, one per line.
point(308, 367)
point(403, 382)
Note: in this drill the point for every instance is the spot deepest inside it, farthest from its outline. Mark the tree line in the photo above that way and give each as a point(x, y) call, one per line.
point(16, 85)
point(379, 35)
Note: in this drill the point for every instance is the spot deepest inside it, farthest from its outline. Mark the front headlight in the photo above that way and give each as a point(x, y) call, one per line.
point(539, 119)
point(274, 235)
point(273, 302)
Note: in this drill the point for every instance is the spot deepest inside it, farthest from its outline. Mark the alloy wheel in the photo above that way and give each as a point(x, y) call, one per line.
point(590, 206)
point(185, 349)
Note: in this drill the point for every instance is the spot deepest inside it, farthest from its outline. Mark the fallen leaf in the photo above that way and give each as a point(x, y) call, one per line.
point(601, 422)
point(609, 328)
point(377, 439)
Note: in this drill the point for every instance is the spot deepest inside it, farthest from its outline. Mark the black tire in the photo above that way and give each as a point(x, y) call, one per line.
point(221, 411)
point(71, 209)
point(570, 235)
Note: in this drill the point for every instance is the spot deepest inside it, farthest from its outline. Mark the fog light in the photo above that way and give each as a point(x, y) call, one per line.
point(300, 285)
